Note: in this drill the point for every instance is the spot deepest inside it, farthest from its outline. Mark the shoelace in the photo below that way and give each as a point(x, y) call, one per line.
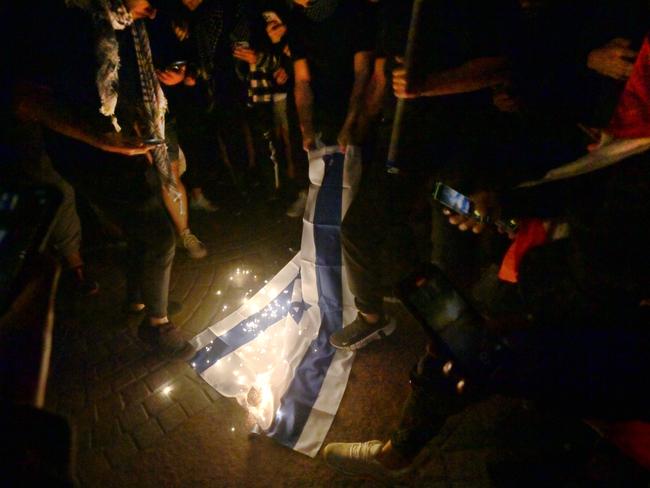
point(360, 450)
point(191, 240)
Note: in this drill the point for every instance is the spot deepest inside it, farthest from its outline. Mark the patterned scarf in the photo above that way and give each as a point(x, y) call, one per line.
point(209, 27)
point(109, 16)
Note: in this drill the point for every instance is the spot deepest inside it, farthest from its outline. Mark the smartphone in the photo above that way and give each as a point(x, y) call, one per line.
point(459, 203)
point(176, 65)
point(456, 201)
point(154, 141)
point(26, 216)
point(270, 16)
point(452, 323)
point(243, 44)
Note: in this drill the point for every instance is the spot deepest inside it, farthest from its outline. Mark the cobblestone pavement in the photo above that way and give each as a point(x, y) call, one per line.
point(141, 420)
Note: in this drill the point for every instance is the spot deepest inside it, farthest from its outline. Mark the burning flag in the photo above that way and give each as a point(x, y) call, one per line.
point(273, 353)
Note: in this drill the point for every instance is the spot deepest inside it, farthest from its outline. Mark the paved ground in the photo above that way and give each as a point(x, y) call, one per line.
point(145, 421)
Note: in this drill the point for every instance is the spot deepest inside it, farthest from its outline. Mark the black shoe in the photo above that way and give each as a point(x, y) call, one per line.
point(359, 333)
point(167, 338)
point(86, 287)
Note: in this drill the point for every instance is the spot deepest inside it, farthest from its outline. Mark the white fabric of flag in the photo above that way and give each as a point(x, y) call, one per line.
point(273, 353)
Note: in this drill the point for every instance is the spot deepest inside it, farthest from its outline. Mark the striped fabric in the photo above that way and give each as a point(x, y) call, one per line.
point(273, 354)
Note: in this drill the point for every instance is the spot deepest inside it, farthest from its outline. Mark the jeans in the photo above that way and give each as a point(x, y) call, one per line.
point(128, 190)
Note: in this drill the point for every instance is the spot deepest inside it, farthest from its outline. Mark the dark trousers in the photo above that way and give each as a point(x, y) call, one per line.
point(129, 191)
point(378, 243)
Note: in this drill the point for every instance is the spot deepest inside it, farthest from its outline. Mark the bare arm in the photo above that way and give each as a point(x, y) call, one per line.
point(473, 75)
point(36, 103)
point(374, 97)
point(304, 102)
point(355, 104)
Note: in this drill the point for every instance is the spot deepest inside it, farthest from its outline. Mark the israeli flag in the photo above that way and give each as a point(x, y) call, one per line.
point(273, 353)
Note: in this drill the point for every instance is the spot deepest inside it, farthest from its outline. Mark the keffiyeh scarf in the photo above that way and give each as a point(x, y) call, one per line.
point(319, 10)
point(109, 16)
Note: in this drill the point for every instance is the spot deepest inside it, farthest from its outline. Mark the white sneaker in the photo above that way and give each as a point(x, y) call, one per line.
point(358, 459)
point(202, 203)
point(297, 208)
point(194, 247)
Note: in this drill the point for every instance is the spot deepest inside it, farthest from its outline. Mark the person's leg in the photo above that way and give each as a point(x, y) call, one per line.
point(65, 235)
point(435, 395)
point(176, 205)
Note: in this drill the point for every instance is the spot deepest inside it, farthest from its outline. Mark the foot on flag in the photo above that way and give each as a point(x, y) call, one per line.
point(273, 354)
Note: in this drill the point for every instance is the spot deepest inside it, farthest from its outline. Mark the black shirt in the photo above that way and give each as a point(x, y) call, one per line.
point(329, 47)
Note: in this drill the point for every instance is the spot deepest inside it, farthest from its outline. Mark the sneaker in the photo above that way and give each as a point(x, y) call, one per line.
point(358, 459)
point(194, 247)
point(203, 204)
point(359, 333)
point(167, 338)
point(297, 208)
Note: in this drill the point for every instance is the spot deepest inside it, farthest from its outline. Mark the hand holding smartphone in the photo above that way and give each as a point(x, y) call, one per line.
point(464, 206)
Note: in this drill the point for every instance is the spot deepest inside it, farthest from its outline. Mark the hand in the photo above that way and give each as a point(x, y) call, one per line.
point(615, 59)
point(400, 77)
point(303, 3)
point(485, 204)
point(504, 100)
point(114, 142)
point(344, 138)
point(276, 31)
point(280, 76)
point(308, 142)
point(190, 80)
point(245, 54)
point(181, 30)
point(171, 77)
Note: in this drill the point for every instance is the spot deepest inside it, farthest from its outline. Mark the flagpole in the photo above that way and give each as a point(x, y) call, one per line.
point(393, 164)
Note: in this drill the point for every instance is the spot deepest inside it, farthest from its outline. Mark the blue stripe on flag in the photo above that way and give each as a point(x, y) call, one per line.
point(244, 332)
point(299, 399)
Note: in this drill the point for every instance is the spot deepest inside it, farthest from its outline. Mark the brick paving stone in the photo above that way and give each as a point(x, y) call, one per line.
point(177, 368)
point(133, 416)
point(131, 353)
point(182, 386)
point(152, 361)
point(91, 465)
point(97, 390)
point(202, 317)
point(171, 417)
point(105, 433)
point(212, 394)
point(98, 353)
point(86, 418)
point(139, 370)
point(194, 401)
point(119, 342)
point(135, 392)
point(159, 378)
point(147, 434)
point(72, 401)
point(122, 452)
point(109, 407)
point(157, 402)
point(106, 368)
point(83, 437)
point(122, 379)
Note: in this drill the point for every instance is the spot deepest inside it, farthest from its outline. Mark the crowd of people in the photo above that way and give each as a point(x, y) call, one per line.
point(131, 103)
